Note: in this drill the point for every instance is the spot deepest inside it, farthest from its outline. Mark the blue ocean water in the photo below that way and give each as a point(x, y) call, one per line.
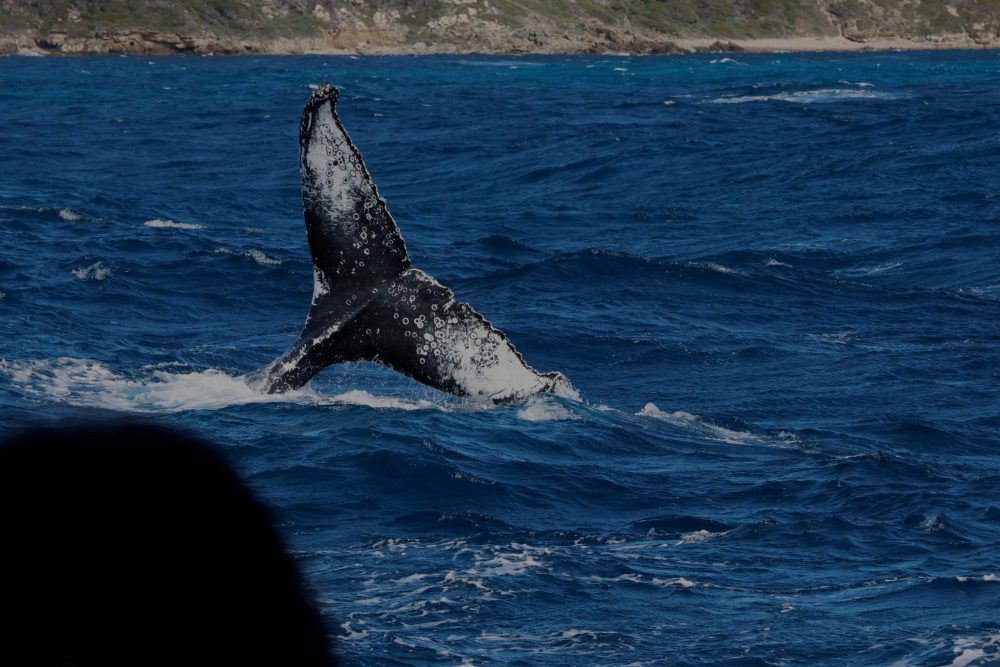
point(774, 280)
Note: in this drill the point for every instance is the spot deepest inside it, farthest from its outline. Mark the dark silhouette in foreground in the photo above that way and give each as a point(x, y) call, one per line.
point(134, 545)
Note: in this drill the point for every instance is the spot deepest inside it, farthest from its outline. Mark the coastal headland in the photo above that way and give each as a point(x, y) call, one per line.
point(657, 27)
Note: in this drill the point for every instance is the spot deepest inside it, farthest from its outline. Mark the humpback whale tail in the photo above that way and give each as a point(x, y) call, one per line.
point(369, 303)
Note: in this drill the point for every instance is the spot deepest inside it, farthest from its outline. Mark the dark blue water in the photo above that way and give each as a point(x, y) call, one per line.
point(775, 280)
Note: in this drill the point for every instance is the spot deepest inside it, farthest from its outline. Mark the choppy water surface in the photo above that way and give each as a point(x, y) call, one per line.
point(773, 278)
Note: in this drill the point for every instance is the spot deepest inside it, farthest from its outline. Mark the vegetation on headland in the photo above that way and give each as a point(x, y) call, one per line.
point(492, 26)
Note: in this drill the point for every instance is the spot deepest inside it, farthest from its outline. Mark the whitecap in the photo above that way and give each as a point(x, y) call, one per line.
point(256, 255)
point(543, 409)
point(834, 337)
point(85, 382)
point(931, 524)
point(808, 96)
point(718, 268)
point(69, 215)
point(170, 224)
point(678, 581)
point(696, 536)
point(261, 258)
point(506, 565)
point(697, 425)
point(871, 270)
point(351, 634)
point(968, 650)
point(985, 291)
point(363, 398)
point(96, 271)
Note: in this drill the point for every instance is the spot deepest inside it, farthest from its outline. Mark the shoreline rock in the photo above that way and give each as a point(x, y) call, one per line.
point(635, 27)
point(154, 43)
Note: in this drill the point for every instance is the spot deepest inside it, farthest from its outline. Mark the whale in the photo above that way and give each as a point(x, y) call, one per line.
point(369, 303)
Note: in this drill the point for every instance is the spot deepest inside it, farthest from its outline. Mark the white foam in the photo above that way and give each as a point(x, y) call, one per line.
point(258, 256)
point(96, 271)
point(718, 268)
point(261, 258)
point(69, 215)
point(678, 581)
point(871, 270)
point(985, 291)
point(543, 409)
point(351, 634)
point(835, 337)
point(694, 423)
point(515, 561)
point(808, 96)
point(170, 224)
point(699, 536)
point(931, 524)
point(971, 649)
point(363, 398)
point(725, 61)
point(507, 566)
point(773, 262)
point(85, 382)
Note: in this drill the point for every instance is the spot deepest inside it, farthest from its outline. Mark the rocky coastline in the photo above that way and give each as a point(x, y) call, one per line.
point(477, 26)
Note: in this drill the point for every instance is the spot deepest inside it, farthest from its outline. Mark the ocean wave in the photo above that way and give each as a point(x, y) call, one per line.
point(506, 63)
point(810, 96)
point(870, 270)
point(699, 426)
point(990, 292)
point(718, 268)
point(955, 652)
point(69, 215)
point(96, 271)
point(598, 266)
point(699, 536)
point(88, 383)
point(500, 244)
point(543, 409)
point(258, 256)
point(170, 224)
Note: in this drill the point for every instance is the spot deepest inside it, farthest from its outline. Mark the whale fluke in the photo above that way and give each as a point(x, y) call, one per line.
point(369, 303)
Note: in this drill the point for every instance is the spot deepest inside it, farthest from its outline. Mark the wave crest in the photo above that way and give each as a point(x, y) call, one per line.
point(84, 382)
